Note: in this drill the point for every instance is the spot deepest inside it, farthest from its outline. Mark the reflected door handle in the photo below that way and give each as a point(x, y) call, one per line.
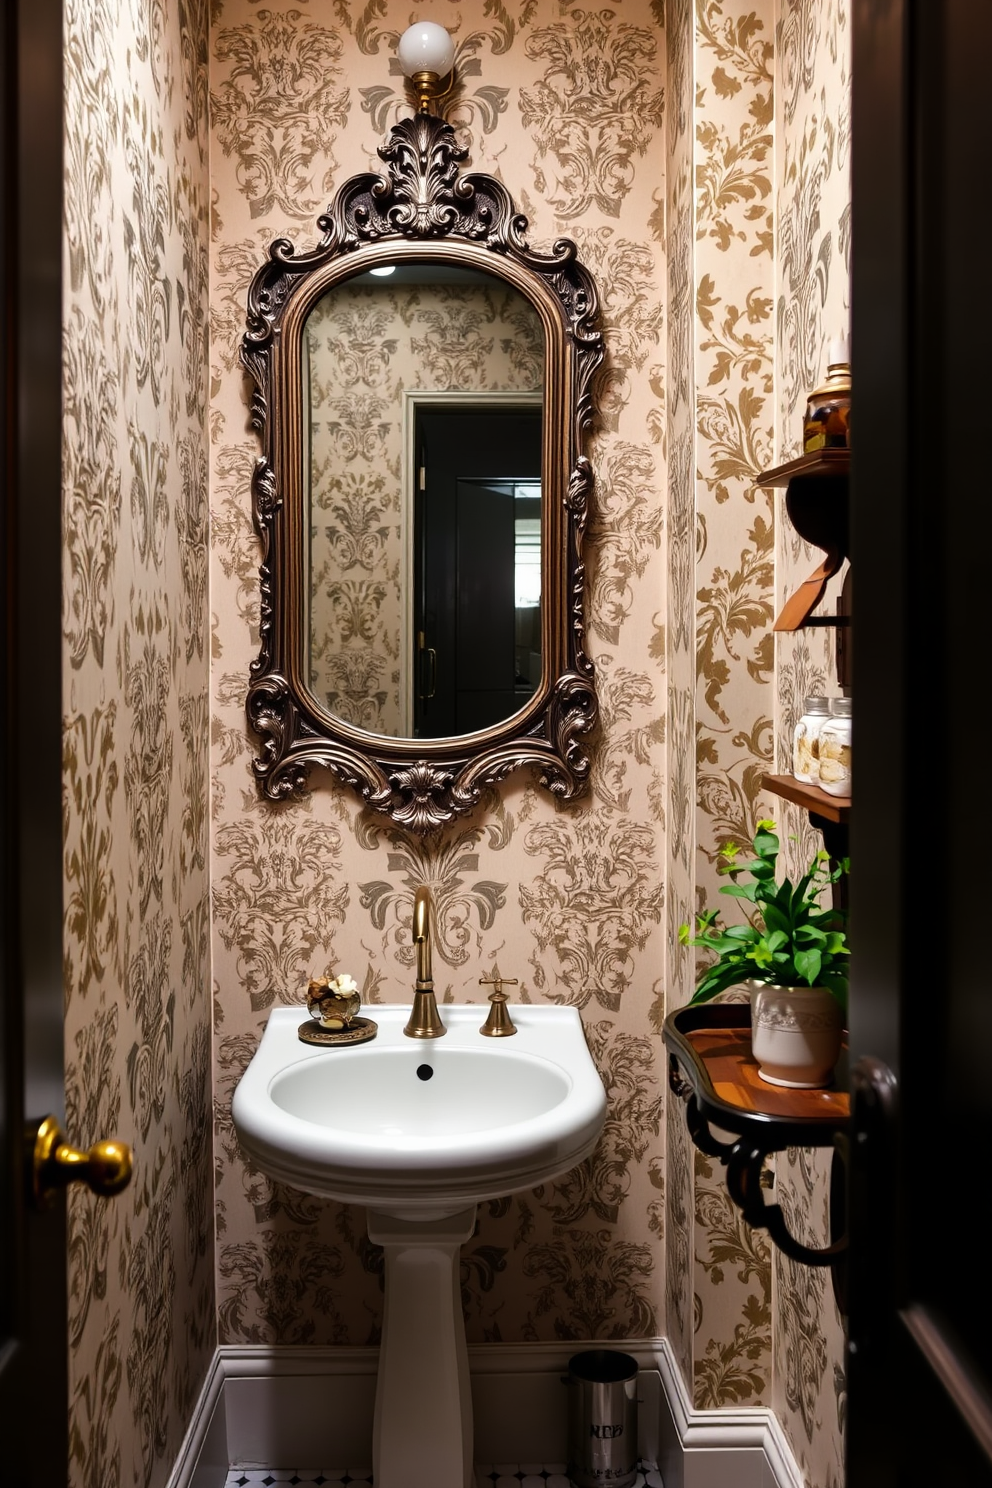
point(53, 1164)
point(428, 672)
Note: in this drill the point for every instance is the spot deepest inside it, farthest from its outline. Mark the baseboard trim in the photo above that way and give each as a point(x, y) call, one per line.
point(261, 1402)
point(204, 1448)
point(701, 1439)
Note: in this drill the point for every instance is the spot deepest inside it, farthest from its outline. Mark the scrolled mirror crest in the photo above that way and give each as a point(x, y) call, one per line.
point(420, 211)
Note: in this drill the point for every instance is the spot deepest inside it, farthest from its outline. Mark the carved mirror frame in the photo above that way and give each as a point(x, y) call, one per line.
point(422, 209)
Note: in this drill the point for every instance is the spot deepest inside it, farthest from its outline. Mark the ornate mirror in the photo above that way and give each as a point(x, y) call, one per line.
point(422, 388)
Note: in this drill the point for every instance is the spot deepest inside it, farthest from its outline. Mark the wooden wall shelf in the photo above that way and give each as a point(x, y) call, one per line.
point(711, 1045)
point(816, 464)
point(816, 501)
point(810, 797)
point(712, 1069)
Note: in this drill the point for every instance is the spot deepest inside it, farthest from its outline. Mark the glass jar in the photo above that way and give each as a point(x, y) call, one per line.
point(806, 740)
point(835, 750)
point(827, 424)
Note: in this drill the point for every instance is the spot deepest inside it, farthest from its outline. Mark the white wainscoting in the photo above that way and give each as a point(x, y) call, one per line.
point(279, 1407)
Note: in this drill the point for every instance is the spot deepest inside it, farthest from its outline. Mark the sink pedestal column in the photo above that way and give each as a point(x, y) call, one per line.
point(422, 1436)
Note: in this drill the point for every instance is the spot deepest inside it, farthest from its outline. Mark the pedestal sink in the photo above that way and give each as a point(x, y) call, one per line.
point(420, 1133)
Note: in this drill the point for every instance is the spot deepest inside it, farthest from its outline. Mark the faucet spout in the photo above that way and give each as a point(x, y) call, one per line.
point(423, 1022)
point(422, 934)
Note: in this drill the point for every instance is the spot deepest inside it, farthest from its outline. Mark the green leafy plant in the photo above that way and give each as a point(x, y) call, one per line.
point(789, 939)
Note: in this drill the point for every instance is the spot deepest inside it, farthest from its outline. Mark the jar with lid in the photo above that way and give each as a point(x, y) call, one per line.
point(806, 740)
point(828, 410)
point(835, 750)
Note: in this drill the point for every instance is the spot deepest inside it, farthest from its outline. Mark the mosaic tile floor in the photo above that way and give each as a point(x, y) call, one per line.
point(499, 1475)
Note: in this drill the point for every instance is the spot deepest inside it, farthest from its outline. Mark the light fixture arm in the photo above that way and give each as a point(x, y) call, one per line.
point(427, 87)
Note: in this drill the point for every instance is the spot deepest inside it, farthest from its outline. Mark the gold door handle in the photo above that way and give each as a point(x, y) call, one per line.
point(105, 1168)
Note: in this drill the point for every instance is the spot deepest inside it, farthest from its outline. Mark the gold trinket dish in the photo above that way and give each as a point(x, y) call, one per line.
point(359, 1031)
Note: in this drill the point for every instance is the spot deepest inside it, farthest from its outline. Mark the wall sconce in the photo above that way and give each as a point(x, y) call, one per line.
point(426, 54)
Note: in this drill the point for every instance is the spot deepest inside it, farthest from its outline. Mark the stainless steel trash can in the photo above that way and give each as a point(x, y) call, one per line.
point(602, 1419)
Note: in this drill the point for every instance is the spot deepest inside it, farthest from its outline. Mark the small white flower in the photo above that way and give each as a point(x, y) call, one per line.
point(343, 984)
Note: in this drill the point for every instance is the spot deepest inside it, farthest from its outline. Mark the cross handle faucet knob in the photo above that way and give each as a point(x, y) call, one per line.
point(498, 1024)
point(497, 982)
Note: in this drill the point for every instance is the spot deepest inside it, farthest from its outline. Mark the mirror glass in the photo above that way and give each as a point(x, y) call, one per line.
point(422, 420)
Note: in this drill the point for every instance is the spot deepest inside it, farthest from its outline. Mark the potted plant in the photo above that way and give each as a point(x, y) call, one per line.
point(793, 954)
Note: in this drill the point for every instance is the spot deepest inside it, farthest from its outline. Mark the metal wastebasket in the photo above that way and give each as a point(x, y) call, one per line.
point(602, 1419)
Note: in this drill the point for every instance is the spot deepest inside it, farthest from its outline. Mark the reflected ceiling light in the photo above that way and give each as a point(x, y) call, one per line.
point(384, 270)
point(426, 54)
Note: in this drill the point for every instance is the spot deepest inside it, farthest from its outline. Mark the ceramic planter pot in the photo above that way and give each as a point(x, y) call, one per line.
point(795, 1034)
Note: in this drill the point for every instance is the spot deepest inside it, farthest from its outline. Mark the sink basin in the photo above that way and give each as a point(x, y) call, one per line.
point(420, 1131)
point(422, 1128)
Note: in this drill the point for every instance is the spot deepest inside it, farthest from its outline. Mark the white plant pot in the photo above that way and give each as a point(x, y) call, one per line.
point(795, 1035)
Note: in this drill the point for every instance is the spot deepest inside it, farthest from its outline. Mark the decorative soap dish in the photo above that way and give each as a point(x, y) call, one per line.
point(359, 1031)
point(333, 1003)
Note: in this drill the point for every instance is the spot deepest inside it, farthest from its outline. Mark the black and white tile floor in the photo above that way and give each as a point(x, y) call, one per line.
point(499, 1475)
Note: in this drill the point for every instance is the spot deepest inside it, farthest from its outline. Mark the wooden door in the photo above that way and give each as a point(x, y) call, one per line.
point(920, 1364)
point(33, 1349)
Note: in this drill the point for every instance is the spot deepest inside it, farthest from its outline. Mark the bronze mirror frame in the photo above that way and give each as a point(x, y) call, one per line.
point(421, 209)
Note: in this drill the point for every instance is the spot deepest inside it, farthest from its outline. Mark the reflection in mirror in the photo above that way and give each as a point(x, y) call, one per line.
point(422, 474)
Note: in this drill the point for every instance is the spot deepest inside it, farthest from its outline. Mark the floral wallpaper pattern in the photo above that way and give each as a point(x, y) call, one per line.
point(733, 291)
point(812, 308)
point(752, 300)
point(646, 133)
point(136, 944)
point(570, 901)
point(681, 598)
point(368, 345)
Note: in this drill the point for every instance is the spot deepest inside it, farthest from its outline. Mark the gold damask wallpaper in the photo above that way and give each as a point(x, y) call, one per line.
point(368, 345)
point(142, 1308)
point(570, 115)
point(812, 308)
point(751, 304)
point(699, 158)
point(733, 292)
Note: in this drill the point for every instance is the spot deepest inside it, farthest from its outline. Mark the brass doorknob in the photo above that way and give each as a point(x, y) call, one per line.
point(105, 1168)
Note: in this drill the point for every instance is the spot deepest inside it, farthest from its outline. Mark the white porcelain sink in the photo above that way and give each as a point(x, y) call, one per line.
point(422, 1128)
point(420, 1131)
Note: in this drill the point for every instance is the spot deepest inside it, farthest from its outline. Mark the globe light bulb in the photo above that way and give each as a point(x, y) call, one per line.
point(426, 47)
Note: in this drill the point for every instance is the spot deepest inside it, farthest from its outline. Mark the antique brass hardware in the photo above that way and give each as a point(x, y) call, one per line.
point(499, 1023)
point(105, 1168)
point(424, 1022)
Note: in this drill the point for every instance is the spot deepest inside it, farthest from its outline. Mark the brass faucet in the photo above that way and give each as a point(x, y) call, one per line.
point(423, 1022)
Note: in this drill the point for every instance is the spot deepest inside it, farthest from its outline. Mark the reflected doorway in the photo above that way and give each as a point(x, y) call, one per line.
point(476, 565)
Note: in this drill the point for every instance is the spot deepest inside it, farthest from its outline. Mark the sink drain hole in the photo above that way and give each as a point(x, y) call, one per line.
point(424, 1071)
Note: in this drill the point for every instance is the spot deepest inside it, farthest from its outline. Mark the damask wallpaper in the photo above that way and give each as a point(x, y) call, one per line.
point(570, 116)
point(699, 159)
point(368, 345)
point(751, 304)
point(135, 732)
point(812, 308)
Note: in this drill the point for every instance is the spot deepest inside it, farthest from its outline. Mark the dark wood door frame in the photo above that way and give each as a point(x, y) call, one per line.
point(33, 1287)
point(920, 1364)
